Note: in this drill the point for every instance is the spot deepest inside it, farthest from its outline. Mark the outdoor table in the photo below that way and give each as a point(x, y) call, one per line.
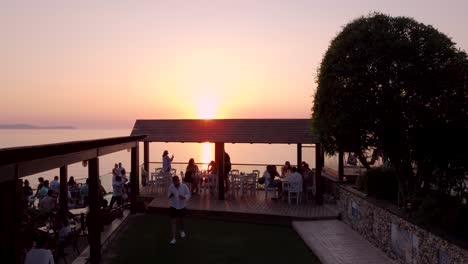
point(79, 211)
point(46, 231)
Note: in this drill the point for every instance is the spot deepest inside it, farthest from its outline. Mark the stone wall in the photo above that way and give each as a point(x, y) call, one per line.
point(400, 239)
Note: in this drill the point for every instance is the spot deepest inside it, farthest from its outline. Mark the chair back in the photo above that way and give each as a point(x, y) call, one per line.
point(295, 186)
point(158, 171)
point(257, 172)
point(234, 172)
point(173, 172)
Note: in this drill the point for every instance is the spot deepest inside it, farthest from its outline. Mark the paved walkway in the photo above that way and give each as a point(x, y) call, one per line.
point(335, 243)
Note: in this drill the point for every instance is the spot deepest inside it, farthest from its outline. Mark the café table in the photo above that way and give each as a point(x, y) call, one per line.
point(79, 211)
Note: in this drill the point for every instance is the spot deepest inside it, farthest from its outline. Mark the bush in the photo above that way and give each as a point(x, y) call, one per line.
point(380, 182)
point(443, 212)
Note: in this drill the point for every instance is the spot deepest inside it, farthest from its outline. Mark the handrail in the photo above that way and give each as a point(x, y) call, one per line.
point(233, 164)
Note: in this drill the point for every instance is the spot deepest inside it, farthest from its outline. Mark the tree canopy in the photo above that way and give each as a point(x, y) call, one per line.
point(398, 85)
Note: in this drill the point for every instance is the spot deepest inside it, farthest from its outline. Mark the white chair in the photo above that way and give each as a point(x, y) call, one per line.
point(152, 183)
point(211, 183)
point(250, 184)
point(269, 188)
point(294, 191)
point(257, 172)
point(174, 172)
point(163, 180)
point(234, 183)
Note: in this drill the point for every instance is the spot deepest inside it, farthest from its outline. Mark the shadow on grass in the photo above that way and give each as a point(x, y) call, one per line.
point(146, 240)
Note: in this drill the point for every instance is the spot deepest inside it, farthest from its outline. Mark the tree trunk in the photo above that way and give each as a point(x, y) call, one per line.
point(363, 159)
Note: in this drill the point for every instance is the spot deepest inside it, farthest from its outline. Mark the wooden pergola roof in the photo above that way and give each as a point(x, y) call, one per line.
point(279, 131)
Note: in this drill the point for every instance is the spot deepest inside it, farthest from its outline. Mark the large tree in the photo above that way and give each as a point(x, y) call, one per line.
point(398, 85)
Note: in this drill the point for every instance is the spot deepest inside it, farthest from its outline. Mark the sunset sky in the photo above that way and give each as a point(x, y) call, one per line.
point(99, 64)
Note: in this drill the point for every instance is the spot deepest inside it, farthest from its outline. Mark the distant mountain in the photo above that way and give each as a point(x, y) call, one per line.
point(26, 126)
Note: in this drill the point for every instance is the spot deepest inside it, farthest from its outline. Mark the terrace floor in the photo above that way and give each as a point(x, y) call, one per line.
point(248, 207)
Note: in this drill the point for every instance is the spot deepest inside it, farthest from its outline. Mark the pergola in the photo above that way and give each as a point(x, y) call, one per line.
point(220, 131)
point(19, 162)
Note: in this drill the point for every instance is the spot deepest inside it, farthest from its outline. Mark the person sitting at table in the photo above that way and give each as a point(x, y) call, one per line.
point(117, 193)
point(270, 174)
point(307, 175)
point(295, 180)
point(44, 190)
point(286, 169)
point(49, 202)
point(84, 191)
point(190, 175)
point(38, 254)
point(212, 167)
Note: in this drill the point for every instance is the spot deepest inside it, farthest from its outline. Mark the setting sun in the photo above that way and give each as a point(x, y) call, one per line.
point(206, 109)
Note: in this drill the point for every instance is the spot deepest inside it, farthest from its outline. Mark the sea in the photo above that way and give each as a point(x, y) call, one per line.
point(244, 157)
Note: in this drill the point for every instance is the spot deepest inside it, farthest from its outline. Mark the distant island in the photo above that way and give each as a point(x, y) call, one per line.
point(26, 126)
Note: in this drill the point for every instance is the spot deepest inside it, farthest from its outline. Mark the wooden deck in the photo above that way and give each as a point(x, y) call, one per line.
point(246, 208)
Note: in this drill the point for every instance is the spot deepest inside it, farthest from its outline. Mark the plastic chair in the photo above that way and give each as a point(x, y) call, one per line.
point(269, 188)
point(234, 183)
point(250, 184)
point(295, 191)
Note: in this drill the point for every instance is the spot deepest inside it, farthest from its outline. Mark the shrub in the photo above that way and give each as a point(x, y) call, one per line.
point(380, 182)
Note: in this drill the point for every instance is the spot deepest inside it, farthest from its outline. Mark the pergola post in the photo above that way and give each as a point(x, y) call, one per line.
point(94, 236)
point(134, 179)
point(318, 174)
point(299, 155)
point(146, 157)
point(219, 159)
point(340, 165)
point(63, 199)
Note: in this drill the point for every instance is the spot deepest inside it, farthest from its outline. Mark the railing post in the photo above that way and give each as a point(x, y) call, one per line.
point(146, 158)
point(318, 174)
point(219, 159)
point(134, 179)
point(63, 190)
point(94, 228)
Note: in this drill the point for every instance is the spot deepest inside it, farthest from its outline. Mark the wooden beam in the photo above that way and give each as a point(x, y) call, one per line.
point(94, 225)
point(21, 154)
point(146, 159)
point(219, 159)
point(299, 155)
point(340, 165)
point(39, 165)
point(134, 179)
point(115, 148)
point(63, 190)
point(318, 175)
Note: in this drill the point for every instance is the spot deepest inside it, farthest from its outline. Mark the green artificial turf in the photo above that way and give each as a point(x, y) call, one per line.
point(145, 239)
